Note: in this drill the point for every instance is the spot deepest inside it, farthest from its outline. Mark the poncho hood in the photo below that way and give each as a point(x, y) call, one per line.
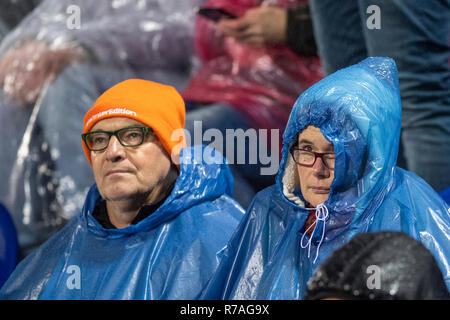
point(382, 265)
point(358, 110)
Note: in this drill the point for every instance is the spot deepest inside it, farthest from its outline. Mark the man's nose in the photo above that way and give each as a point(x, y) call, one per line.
point(115, 151)
point(320, 169)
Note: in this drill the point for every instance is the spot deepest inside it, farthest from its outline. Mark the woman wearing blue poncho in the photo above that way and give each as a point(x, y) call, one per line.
point(337, 178)
point(155, 222)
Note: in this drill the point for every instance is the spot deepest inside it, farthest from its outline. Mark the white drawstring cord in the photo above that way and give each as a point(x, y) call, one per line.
point(322, 215)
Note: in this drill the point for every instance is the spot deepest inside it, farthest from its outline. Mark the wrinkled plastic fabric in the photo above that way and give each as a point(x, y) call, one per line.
point(358, 110)
point(137, 30)
point(89, 46)
point(8, 245)
point(171, 254)
point(260, 82)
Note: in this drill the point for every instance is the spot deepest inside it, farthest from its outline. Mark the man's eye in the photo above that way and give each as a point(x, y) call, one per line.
point(98, 140)
point(133, 135)
point(307, 148)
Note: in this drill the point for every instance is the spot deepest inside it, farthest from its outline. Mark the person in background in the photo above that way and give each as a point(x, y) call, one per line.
point(274, 25)
point(337, 178)
point(251, 71)
point(384, 265)
point(155, 221)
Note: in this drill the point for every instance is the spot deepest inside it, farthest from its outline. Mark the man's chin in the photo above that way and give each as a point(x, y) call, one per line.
point(119, 194)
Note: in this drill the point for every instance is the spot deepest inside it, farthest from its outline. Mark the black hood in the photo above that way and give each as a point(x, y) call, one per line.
point(406, 270)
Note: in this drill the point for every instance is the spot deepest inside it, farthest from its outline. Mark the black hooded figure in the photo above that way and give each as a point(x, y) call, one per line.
point(384, 265)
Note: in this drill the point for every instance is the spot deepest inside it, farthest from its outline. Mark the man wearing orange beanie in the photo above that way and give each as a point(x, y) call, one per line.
point(155, 105)
point(153, 224)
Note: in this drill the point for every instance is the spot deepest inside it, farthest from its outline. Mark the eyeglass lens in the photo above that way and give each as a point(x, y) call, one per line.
point(128, 137)
point(308, 158)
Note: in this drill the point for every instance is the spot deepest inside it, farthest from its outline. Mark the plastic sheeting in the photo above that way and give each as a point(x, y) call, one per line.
point(171, 254)
point(262, 83)
point(358, 110)
point(53, 66)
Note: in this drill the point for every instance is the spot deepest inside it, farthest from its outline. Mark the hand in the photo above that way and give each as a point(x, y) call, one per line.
point(25, 70)
point(259, 26)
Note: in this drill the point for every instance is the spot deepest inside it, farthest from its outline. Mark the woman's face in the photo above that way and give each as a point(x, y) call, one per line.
point(315, 181)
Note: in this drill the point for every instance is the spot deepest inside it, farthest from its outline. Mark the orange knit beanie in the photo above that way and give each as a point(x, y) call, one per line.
point(156, 105)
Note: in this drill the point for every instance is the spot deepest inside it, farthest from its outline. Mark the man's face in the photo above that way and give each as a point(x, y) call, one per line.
point(123, 173)
point(315, 181)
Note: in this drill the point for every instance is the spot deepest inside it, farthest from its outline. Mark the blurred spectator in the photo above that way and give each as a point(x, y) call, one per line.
point(8, 245)
point(52, 68)
point(416, 35)
point(252, 70)
point(383, 265)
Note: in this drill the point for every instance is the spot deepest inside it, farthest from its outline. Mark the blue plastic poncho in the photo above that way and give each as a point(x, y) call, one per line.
point(171, 254)
point(358, 110)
